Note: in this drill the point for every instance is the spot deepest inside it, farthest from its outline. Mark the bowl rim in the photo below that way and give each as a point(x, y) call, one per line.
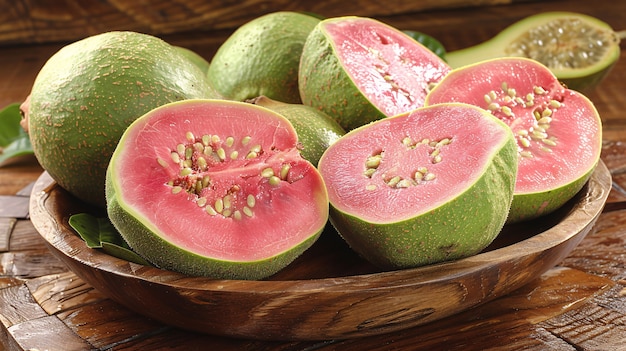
point(341, 307)
point(420, 275)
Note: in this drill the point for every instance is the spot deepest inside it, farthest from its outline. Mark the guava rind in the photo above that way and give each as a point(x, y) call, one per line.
point(581, 79)
point(166, 255)
point(316, 130)
point(140, 213)
point(454, 228)
point(528, 206)
point(325, 83)
point(579, 132)
point(89, 91)
point(262, 57)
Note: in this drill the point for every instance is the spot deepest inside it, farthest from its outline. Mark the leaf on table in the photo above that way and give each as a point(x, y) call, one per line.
point(14, 140)
point(99, 233)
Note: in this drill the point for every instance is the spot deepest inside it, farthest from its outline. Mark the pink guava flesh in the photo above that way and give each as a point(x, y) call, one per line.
point(558, 130)
point(407, 144)
point(391, 69)
point(252, 216)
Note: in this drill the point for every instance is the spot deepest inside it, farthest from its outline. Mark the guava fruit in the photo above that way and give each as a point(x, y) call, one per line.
point(194, 57)
point(558, 130)
point(89, 91)
point(316, 130)
point(215, 188)
point(261, 58)
point(358, 69)
point(579, 49)
point(425, 186)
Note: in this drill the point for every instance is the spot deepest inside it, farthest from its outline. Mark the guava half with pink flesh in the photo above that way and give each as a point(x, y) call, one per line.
point(357, 70)
point(558, 130)
point(215, 188)
point(430, 185)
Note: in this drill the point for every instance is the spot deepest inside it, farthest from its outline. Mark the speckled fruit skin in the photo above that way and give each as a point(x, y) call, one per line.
point(440, 229)
point(261, 58)
point(325, 85)
point(316, 130)
point(89, 91)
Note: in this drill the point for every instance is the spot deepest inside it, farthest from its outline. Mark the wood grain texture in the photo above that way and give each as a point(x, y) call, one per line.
point(28, 167)
point(36, 21)
point(455, 28)
point(579, 305)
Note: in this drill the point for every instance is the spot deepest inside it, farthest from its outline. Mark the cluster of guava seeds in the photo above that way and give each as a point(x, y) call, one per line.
point(422, 173)
point(198, 154)
point(395, 88)
point(504, 101)
point(586, 45)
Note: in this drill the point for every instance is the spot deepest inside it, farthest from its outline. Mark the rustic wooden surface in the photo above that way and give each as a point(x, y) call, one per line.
point(578, 305)
point(52, 21)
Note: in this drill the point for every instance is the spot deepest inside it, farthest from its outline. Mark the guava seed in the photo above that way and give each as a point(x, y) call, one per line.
point(250, 200)
point(195, 157)
point(267, 172)
point(545, 43)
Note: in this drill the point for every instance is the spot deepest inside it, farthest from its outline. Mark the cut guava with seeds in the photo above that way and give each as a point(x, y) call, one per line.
point(579, 49)
point(358, 69)
point(426, 186)
point(558, 130)
point(215, 188)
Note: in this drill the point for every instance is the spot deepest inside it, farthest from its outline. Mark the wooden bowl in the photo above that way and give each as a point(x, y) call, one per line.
point(329, 292)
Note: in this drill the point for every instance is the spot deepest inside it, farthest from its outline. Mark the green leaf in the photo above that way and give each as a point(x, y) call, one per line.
point(431, 43)
point(99, 233)
point(88, 227)
point(14, 140)
point(123, 253)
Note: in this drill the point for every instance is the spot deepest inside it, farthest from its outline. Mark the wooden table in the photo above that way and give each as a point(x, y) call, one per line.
point(578, 305)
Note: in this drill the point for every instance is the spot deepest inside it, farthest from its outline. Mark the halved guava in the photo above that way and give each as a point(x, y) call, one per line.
point(215, 188)
point(558, 130)
point(426, 186)
point(357, 70)
point(579, 49)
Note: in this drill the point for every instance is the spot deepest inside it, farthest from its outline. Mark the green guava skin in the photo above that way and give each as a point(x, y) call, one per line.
point(318, 66)
point(194, 57)
point(529, 206)
point(262, 57)
point(460, 227)
point(174, 258)
point(88, 92)
point(316, 130)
